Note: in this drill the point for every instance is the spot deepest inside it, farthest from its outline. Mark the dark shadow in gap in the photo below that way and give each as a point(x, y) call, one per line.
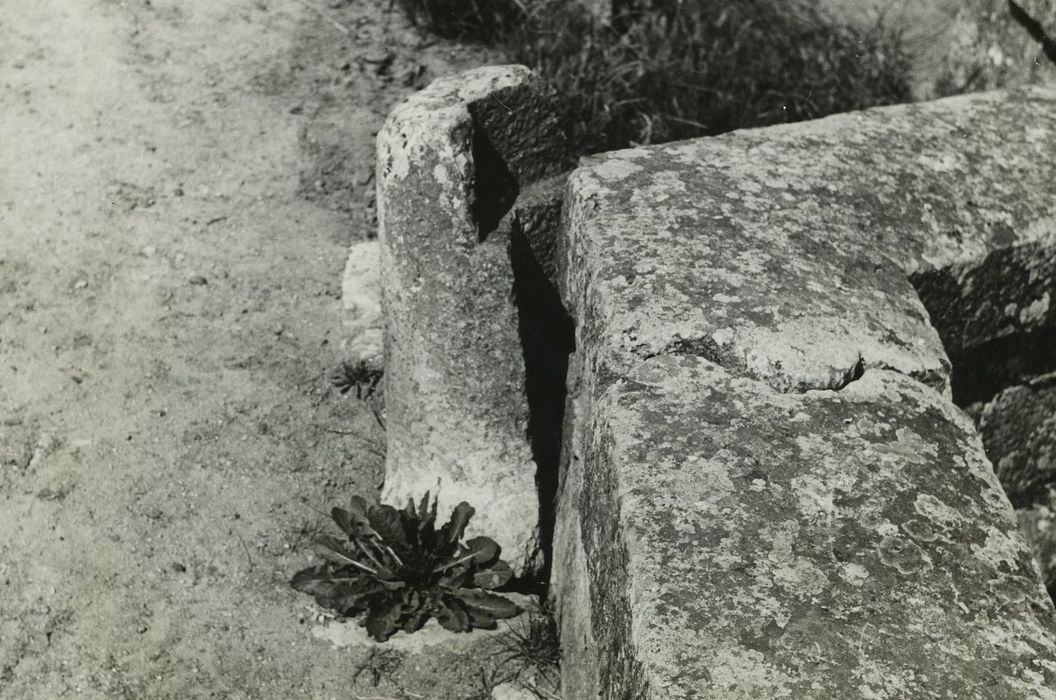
point(495, 188)
point(982, 372)
point(547, 340)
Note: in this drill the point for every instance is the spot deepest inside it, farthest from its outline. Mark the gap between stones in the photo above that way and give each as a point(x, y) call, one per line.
point(546, 333)
point(547, 340)
point(545, 329)
point(987, 369)
point(495, 189)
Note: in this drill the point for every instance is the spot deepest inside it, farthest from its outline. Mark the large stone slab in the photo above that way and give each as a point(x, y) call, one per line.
point(948, 193)
point(767, 489)
point(452, 161)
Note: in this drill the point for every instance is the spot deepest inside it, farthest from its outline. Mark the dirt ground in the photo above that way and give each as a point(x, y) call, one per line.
point(179, 183)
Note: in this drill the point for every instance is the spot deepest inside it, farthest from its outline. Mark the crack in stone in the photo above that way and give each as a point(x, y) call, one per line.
point(707, 349)
point(933, 379)
point(699, 347)
point(855, 374)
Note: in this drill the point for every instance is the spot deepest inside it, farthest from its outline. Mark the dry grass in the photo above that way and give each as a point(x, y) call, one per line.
point(683, 69)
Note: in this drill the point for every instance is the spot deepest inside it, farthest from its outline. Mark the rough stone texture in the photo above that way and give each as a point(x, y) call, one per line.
point(988, 48)
point(1019, 431)
point(942, 190)
point(537, 217)
point(745, 543)
point(1038, 523)
point(771, 491)
point(696, 278)
point(361, 297)
point(1003, 292)
point(569, 579)
point(954, 46)
point(451, 162)
point(1018, 428)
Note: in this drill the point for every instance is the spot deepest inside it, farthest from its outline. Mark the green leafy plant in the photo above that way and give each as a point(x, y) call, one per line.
point(399, 569)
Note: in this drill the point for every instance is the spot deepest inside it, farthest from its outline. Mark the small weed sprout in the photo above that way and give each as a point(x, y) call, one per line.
point(532, 646)
point(356, 375)
point(400, 570)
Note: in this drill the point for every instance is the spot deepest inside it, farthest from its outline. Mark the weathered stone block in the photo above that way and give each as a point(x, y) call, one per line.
point(1019, 431)
point(771, 491)
point(766, 490)
point(452, 161)
point(959, 194)
point(743, 543)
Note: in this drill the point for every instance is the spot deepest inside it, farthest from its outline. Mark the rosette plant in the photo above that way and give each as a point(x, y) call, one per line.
point(400, 570)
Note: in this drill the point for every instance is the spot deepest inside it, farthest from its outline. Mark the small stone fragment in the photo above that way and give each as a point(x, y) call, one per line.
point(511, 691)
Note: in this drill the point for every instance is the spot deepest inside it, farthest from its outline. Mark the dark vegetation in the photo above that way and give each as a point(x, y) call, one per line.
point(670, 69)
point(399, 569)
point(356, 375)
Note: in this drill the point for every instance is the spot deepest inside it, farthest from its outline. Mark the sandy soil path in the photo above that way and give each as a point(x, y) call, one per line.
point(179, 182)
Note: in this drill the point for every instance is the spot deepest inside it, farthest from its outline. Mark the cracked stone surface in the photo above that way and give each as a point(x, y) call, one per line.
point(718, 238)
point(769, 487)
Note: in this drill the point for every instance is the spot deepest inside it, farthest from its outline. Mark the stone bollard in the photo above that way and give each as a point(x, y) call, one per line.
point(452, 162)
